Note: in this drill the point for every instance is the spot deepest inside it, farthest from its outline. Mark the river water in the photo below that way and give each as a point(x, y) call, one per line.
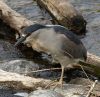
point(91, 12)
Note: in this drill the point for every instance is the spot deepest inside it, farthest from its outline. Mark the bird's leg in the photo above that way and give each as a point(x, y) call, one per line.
point(60, 81)
point(61, 78)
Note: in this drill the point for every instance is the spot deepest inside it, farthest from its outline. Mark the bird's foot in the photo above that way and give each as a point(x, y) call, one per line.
point(58, 84)
point(50, 84)
point(55, 84)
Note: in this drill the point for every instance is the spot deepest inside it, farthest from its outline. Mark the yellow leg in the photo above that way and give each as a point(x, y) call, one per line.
point(61, 78)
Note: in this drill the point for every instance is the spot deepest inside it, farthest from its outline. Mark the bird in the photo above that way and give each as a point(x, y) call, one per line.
point(63, 45)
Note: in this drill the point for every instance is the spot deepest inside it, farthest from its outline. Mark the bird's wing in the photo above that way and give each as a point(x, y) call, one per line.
point(71, 48)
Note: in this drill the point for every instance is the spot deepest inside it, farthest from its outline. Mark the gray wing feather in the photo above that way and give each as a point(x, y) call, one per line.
point(71, 49)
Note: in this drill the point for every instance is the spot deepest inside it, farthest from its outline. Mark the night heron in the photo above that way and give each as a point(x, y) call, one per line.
point(63, 45)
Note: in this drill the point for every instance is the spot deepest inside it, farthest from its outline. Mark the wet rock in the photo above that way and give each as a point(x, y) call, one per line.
point(7, 93)
point(20, 66)
point(45, 93)
point(81, 81)
point(49, 74)
point(72, 90)
point(68, 90)
point(86, 83)
point(6, 32)
point(8, 51)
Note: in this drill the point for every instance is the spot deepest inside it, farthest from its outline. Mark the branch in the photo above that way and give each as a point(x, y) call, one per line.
point(64, 13)
point(12, 18)
point(21, 82)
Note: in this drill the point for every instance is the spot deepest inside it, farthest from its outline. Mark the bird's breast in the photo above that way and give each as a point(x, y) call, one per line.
point(39, 46)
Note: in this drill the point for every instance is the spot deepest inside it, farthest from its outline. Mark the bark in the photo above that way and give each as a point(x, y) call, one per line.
point(93, 59)
point(17, 22)
point(12, 18)
point(93, 63)
point(64, 13)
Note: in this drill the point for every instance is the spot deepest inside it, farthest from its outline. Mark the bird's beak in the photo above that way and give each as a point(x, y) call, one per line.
point(20, 40)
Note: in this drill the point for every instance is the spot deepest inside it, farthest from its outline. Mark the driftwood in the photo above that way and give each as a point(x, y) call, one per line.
point(93, 63)
point(12, 18)
point(21, 82)
point(17, 22)
point(64, 13)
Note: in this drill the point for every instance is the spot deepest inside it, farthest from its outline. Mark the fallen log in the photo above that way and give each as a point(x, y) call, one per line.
point(12, 18)
point(18, 22)
point(21, 82)
point(93, 64)
point(65, 14)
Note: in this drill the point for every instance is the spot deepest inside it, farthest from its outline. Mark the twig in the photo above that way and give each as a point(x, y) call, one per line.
point(45, 70)
point(91, 89)
point(85, 73)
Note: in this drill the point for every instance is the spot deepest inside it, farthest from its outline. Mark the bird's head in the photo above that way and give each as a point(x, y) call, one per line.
point(26, 36)
point(25, 39)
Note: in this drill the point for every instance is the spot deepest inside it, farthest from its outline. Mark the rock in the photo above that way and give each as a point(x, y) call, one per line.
point(68, 90)
point(7, 93)
point(87, 83)
point(20, 66)
point(12, 93)
point(72, 90)
point(45, 93)
point(9, 59)
point(8, 51)
point(81, 81)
